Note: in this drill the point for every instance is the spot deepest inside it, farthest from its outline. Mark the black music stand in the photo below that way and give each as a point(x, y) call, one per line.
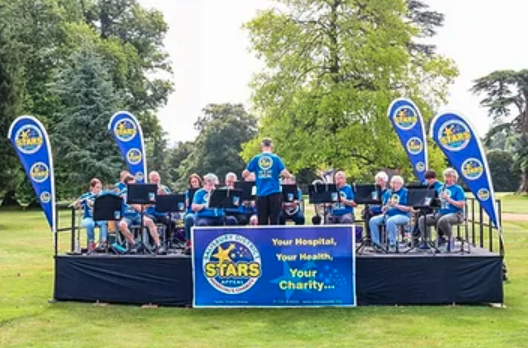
point(323, 194)
point(423, 199)
point(168, 204)
point(108, 207)
point(225, 198)
point(247, 188)
point(367, 194)
point(142, 194)
point(289, 193)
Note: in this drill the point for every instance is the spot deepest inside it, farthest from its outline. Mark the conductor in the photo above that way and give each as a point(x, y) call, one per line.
point(268, 167)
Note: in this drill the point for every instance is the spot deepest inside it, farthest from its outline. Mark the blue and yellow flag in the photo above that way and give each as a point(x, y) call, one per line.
point(459, 141)
point(31, 142)
point(127, 132)
point(408, 123)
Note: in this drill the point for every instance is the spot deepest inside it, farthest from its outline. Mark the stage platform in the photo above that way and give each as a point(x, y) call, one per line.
point(416, 278)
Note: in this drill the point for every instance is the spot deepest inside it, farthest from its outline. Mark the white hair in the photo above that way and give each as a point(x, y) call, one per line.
point(382, 175)
point(397, 178)
point(231, 175)
point(452, 172)
point(211, 178)
point(340, 173)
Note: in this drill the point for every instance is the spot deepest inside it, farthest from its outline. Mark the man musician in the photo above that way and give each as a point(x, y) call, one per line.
point(206, 216)
point(238, 213)
point(151, 212)
point(293, 210)
point(452, 204)
point(342, 212)
point(132, 216)
point(268, 167)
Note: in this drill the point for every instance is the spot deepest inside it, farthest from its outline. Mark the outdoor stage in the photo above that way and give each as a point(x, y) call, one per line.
point(417, 278)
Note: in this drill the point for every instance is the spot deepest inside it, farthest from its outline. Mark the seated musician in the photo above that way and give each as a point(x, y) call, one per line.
point(160, 218)
point(432, 183)
point(87, 201)
point(395, 213)
point(206, 216)
point(121, 185)
point(342, 212)
point(452, 204)
point(195, 182)
point(293, 210)
point(132, 216)
point(381, 179)
point(238, 213)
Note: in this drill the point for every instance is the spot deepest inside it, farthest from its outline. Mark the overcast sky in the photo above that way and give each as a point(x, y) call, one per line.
point(212, 63)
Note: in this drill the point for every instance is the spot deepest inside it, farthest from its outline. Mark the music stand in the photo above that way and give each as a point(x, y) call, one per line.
point(367, 194)
point(247, 188)
point(289, 192)
point(142, 194)
point(422, 199)
point(108, 207)
point(225, 198)
point(171, 203)
point(323, 194)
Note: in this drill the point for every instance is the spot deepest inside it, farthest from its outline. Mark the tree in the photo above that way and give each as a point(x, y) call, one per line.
point(332, 69)
point(506, 97)
point(506, 177)
point(89, 101)
point(176, 156)
point(223, 128)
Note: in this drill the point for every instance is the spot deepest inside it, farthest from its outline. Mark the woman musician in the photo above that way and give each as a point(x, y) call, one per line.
point(395, 213)
point(87, 201)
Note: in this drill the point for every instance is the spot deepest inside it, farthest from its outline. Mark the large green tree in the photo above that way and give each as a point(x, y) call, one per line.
point(505, 95)
point(89, 100)
point(332, 68)
point(223, 128)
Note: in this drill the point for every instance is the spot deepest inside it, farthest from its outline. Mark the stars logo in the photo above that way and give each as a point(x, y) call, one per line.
point(405, 118)
point(454, 135)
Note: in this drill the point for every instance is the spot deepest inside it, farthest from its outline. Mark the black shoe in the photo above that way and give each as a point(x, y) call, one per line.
point(133, 249)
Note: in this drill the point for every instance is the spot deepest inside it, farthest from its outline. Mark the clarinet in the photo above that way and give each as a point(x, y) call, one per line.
point(386, 205)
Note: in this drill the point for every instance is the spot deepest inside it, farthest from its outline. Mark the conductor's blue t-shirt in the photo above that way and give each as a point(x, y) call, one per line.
point(267, 168)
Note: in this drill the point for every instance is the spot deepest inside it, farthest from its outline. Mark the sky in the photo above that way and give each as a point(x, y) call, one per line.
point(212, 62)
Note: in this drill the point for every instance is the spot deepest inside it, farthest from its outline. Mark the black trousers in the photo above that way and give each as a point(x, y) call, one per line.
point(269, 209)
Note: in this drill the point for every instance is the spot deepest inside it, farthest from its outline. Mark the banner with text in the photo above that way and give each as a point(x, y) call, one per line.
point(268, 266)
point(127, 132)
point(408, 123)
point(459, 141)
point(31, 142)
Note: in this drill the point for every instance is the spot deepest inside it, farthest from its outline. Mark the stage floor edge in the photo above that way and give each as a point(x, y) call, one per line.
point(474, 278)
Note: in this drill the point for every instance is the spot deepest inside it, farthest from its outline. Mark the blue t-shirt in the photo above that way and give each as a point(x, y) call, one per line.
point(201, 197)
point(87, 208)
point(120, 186)
point(267, 168)
point(299, 197)
point(456, 193)
point(129, 212)
point(340, 209)
point(398, 197)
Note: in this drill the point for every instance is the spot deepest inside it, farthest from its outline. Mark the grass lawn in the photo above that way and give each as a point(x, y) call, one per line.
point(27, 320)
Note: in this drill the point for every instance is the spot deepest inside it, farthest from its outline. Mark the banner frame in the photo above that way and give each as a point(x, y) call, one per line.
point(51, 167)
point(481, 149)
point(140, 132)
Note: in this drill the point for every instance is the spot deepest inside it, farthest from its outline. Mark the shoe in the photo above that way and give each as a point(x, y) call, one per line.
point(441, 241)
point(133, 249)
point(392, 248)
point(101, 248)
point(161, 250)
point(91, 247)
point(188, 247)
point(424, 246)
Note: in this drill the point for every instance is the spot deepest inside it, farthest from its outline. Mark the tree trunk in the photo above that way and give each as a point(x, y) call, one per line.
point(524, 186)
